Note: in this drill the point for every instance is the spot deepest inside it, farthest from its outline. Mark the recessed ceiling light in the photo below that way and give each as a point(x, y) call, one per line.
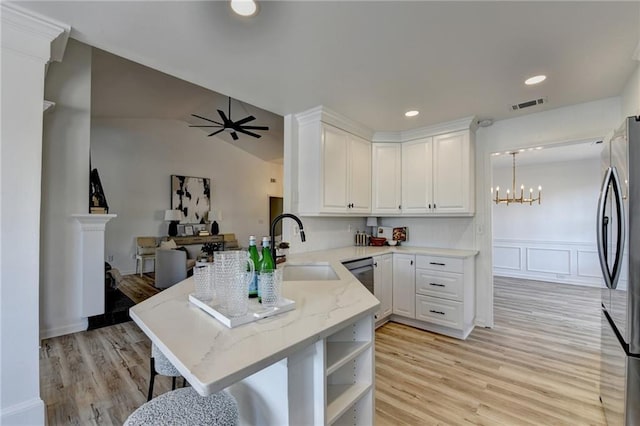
point(411, 113)
point(535, 80)
point(244, 7)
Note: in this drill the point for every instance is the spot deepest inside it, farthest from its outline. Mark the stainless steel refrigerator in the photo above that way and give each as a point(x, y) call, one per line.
point(619, 252)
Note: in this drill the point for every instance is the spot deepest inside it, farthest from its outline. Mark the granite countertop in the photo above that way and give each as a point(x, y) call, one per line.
point(211, 356)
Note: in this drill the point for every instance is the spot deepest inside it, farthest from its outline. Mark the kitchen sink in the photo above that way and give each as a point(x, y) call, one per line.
point(309, 272)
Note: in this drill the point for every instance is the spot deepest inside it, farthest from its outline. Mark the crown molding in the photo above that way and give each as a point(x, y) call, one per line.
point(466, 123)
point(326, 115)
point(32, 34)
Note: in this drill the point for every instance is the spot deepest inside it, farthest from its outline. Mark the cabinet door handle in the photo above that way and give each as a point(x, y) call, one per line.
point(434, 205)
point(399, 206)
point(412, 262)
point(437, 263)
point(429, 206)
point(436, 312)
point(375, 264)
point(436, 284)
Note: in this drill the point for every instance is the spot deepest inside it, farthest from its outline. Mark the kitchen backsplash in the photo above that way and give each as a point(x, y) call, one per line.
point(455, 233)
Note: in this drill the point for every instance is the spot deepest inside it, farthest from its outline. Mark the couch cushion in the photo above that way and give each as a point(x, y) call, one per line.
point(168, 244)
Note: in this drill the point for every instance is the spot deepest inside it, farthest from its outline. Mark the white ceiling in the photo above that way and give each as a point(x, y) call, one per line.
point(371, 61)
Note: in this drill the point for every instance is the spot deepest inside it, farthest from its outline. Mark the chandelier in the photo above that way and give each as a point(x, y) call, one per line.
point(511, 194)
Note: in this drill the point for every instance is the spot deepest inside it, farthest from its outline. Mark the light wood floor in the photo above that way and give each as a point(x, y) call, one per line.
point(538, 365)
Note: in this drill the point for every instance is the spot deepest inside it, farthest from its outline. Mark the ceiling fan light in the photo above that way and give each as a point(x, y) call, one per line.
point(244, 7)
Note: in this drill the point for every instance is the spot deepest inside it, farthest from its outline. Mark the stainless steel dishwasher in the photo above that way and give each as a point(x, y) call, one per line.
point(362, 269)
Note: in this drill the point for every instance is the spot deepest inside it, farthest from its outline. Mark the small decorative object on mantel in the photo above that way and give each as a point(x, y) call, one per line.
point(97, 200)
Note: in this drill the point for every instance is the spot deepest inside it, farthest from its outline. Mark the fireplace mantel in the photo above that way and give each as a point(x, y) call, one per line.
point(90, 270)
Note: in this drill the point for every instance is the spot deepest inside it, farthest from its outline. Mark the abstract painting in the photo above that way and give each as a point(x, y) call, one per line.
point(191, 195)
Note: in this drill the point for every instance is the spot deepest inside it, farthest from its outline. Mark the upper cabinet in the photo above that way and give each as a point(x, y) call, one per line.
point(387, 178)
point(432, 175)
point(334, 174)
point(423, 172)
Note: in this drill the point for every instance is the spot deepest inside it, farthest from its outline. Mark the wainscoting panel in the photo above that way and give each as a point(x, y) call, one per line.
point(547, 260)
point(565, 262)
point(507, 257)
point(589, 264)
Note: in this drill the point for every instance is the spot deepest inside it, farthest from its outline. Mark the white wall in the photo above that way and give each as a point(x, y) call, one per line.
point(136, 158)
point(26, 48)
point(555, 240)
point(576, 122)
point(631, 94)
point(65, 189)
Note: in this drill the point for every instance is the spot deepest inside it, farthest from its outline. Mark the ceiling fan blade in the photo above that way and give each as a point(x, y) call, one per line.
point(206, 119)
point(234, 135)
point(224, 117)
point(205, 125)
point(255, 127)
point(215, 133)
point(255, 135)
point(245, 120)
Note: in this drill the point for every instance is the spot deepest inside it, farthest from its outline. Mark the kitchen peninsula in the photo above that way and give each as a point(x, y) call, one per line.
point(312, 365)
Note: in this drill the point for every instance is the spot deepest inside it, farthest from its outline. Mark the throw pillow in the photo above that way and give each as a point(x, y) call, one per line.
point(168, 244)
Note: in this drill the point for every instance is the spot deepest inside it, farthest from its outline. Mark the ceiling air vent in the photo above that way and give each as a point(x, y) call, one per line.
point(528, 104)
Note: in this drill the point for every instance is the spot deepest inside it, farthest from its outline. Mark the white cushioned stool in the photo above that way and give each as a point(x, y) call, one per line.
point(185, 406)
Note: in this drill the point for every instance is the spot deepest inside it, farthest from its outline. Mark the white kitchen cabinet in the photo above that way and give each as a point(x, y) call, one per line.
point(404, 289)
point(417, 175)
point(387, 178)
point(334, 170)
point(445, 294)
point(453, 173)
point(437, 175)
point(383, 285)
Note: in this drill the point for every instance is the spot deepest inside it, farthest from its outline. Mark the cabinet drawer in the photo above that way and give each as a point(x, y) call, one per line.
point(439, 284)
point(439, 311)
point(437, 263)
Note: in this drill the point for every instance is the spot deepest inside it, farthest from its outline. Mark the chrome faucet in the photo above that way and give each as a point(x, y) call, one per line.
point(272, 236)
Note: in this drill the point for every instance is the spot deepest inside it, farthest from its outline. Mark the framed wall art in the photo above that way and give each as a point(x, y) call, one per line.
point(191, 195)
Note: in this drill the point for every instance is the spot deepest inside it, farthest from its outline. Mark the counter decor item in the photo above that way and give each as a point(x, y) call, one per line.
point(377, 241)
point(255, 310)
point(400, 234)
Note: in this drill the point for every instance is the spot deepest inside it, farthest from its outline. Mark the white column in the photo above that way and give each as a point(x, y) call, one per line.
point(91, 261)
point(27, 45)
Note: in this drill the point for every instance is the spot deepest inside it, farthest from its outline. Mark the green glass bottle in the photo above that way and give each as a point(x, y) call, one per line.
point(266, 263)
point(255, 257)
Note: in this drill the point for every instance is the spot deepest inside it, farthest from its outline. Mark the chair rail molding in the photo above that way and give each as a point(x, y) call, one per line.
point(90, 272)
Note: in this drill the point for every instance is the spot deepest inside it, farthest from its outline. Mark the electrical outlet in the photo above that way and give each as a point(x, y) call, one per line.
point(110, 258)
point(349, 228)
point(296, 230)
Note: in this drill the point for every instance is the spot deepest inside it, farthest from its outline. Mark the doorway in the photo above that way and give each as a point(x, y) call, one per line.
point(275, 210)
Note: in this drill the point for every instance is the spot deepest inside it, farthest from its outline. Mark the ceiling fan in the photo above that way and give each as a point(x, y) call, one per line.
point(231, 126)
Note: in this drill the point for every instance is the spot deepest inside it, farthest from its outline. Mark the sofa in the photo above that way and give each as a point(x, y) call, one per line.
point(172, 266)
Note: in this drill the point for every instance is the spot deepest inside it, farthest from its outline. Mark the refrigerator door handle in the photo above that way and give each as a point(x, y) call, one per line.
point(620, 230)
point(601, 232)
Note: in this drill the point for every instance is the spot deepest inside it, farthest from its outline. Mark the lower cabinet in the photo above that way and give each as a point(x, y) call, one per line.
point(404, 285)
point(435, 293)
point(383, 285)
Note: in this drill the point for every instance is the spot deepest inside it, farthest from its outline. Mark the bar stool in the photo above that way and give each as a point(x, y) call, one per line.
point(161, 365)
point(185, 407)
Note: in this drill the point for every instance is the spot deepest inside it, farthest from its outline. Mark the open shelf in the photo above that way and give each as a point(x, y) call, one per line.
point(342, 397)
point(339, 353)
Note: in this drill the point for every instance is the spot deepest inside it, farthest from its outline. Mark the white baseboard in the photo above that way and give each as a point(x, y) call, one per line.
point(30, 412)
point(583, 281)
point(64, 329)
